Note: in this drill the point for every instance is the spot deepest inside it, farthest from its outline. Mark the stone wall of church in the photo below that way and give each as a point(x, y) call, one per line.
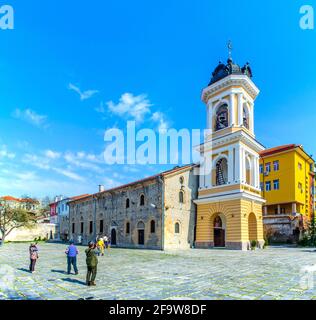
point(180, 211)
point(111, 208)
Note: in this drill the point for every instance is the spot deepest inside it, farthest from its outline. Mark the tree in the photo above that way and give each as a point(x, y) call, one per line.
point(14, 218)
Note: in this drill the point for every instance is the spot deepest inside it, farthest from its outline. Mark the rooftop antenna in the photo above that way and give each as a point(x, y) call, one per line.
point(230, 48)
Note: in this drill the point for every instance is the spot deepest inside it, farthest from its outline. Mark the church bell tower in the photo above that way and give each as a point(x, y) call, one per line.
point(229, 205)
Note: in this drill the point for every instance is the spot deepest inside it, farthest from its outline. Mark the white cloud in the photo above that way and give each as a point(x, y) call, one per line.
point(69, 174)
point(159, 117)
point(83, 160)
point(4, 153)
point(52, 154)
point(36, 161)
point(32, 117)
point(84, 95)
point(135, 107)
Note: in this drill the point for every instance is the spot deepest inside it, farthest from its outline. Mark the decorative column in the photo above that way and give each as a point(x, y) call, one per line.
point(239, 168)
point(232, 110)
point(230, 165)
point(251, 118)
point(209, 116)
point(240, 109)
point(208, 170)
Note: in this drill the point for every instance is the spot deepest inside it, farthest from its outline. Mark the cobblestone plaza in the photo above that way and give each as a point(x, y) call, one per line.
point(272, 273)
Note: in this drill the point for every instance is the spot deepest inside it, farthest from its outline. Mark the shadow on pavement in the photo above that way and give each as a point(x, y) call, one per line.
point(74, 281)
point(59, 271)
point(23, 269)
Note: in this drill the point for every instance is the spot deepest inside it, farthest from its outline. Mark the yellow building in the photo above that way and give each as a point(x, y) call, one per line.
point(287, 184)
point(229, 204)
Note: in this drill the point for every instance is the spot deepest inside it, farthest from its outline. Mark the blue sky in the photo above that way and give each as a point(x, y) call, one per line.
point(67, 64)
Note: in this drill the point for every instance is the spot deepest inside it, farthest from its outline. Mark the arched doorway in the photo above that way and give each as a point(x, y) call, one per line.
point(252, 227)
point(141, 233)
point(219, 232)
point(113, 237)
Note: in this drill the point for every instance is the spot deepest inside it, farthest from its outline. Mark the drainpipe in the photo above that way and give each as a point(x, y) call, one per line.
point(162, 213)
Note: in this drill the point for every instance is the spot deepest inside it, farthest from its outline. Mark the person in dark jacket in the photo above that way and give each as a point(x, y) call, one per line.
point(92, 263)
point(72, 253)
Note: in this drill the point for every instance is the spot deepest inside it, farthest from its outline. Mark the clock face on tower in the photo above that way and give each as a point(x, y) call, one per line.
point(222, 117)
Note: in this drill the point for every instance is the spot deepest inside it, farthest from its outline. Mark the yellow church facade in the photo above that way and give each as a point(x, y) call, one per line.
point(229, 204)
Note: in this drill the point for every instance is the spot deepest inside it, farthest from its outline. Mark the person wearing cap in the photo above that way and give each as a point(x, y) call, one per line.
point(92, 262)
point(72, 253)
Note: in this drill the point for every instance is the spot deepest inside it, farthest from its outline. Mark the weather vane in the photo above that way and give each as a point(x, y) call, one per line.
point(230, 48)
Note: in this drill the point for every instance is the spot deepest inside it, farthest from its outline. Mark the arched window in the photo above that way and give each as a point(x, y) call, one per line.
point(152, 226)
point(221, 172)
point(177, 227)
point(127, 203)
point(221, 117)
point(181, 197)
point(140, 225)
point(128, 227)
point(245, 117)
point(142, 200)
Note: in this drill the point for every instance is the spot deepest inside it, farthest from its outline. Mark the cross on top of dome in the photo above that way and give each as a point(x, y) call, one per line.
point(222, 70)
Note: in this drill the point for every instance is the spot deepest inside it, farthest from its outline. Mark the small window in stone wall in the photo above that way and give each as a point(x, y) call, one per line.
point(177, 227)
point(81, 228)
point(73, 228)
point(127, 203)
point(181, 197)
point(91, 227)
point(127, 227)
point(101, 226)
point(152, 226)
point(181, 179)
point(142, 200)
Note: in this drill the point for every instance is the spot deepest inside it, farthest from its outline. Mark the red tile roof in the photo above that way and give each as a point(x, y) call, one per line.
point(79, 197)
point(9, 198)
point(164, 173)
point(278, 149)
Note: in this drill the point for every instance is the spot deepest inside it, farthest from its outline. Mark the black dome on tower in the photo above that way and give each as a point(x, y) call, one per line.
point(222, 70)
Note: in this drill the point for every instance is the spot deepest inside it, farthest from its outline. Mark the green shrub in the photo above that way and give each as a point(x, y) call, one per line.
point(253, 244)
point(304, 241)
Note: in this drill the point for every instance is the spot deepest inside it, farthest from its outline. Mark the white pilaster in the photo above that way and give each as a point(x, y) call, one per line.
point(240, 109)
point(232, 110)
point(230, 165)
point(251, 119)
point(240, 164)
point(209, 115)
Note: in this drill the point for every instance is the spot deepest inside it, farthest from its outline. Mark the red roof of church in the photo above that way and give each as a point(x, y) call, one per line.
point(170, 171)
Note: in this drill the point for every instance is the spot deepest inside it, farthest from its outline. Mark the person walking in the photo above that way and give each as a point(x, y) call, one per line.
point(72, 253)
point(92, 263)
point(100, 246)
point(106, 241)
point(33, 250)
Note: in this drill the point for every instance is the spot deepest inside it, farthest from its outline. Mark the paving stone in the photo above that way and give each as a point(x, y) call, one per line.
point(269, 274)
